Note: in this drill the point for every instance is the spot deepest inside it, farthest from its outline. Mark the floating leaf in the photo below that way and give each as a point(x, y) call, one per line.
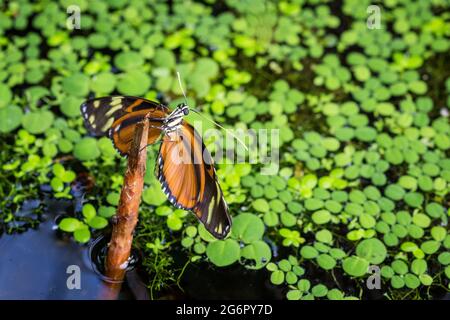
point(326, 262)
point(247, 227)
point(98, 222)
point(5, 95)
point(89, 211)
point(86, 149)
point(76, 85)
point(133, 83)
point(82, 235)
point(10, 118)
point(38, 121)
point(372, 250)
point(103, 83)
point(70, 106)
point(321, 216)
point(355, 266)
point(128, 60)
point(223, 252)
point(69, 224)
point(259, 252)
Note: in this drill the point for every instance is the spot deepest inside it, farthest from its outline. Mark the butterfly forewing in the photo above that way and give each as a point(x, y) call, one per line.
point(188, 178)
point(117, 117)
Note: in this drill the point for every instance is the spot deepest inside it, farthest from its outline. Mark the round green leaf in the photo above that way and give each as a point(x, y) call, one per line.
point(414, 199)
point(89, 211)
point(247, 227)
point(308, 252)
point(319, 290)
point(321, 216)
point(430, 247)
point(86, 149)
point(76, 85)
point(103, 83)
point(10, 118)
point(223, 252)
point(355, 266)
point(259, 252)
point(399, 266)
point(421, 220)
point(326, 262)
point(261, 205)
point(324, 236)
point(69, 224)
point(294, 295)
point(412, 281)
point(82, 235)
point(128, 60)
point(37, 121)
point(98, 222)
point(133, 83)
point(419, 266)
point(277, 277)
point(372, 250)
point(5, 95)
point(70, 106)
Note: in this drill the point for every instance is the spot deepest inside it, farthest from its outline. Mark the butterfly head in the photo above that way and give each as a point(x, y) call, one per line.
point(183, 107)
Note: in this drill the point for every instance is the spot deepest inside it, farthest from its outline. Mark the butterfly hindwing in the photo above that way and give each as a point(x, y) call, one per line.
point(186, 172)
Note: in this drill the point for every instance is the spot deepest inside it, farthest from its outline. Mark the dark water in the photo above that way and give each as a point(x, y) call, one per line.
point(34, 265)
point(201, 282)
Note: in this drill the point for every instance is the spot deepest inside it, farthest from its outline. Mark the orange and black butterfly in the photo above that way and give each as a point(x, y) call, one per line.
point(184, 167)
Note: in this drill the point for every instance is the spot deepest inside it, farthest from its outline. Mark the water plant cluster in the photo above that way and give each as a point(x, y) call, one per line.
point(364, 174)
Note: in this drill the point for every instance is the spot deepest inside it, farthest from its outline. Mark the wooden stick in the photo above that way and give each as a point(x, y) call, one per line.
point(127, 211)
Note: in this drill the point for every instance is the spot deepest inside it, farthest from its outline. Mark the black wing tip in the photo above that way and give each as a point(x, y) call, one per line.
point(223, 235)
point(125, 97)
point(91, 130)
point(227, 224)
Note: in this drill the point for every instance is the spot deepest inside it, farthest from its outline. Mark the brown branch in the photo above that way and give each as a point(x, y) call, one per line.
point(127, 211)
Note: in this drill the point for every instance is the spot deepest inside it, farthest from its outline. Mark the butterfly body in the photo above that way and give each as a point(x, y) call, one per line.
point(184, 167)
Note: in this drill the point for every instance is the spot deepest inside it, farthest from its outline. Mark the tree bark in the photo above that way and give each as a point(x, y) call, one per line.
point(127, 212)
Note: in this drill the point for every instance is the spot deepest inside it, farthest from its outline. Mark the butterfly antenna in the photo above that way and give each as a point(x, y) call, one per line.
point(221, 127)
point(181, 87)
point(205, 117)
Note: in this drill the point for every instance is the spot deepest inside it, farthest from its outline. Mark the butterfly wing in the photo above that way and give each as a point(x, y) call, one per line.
point(117, 117)
point(186, 172)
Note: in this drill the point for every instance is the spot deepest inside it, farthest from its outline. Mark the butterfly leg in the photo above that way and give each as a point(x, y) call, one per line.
point(169, 132)
point(155, 127)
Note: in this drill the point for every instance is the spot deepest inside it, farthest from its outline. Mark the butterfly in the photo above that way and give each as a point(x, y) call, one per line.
point(184, 166)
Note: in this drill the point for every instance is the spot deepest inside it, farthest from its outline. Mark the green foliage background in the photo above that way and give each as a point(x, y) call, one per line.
point(363, 118)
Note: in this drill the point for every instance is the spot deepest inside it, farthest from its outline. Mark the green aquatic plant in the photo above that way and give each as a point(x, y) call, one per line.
point(364, 173)
point(81, 228)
